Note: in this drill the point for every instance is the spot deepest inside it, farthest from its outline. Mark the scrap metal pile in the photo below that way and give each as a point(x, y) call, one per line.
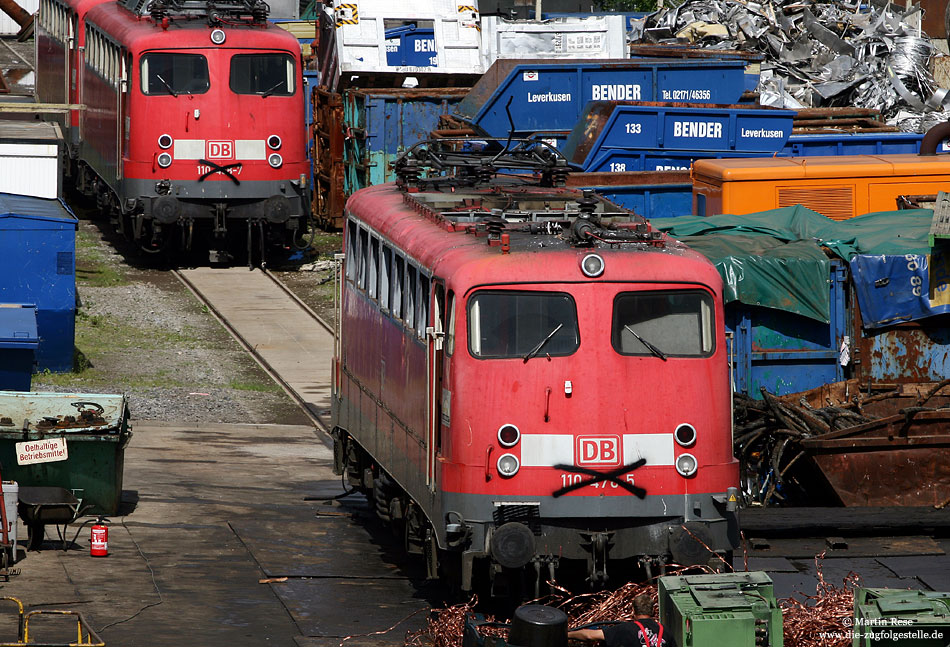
point(809, 620)
point(823, 619)
point(818, 55)
point(768, 435)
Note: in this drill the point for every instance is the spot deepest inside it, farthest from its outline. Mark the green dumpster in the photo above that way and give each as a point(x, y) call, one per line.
point(69, 440)
point(901, 618)
point(734, 609)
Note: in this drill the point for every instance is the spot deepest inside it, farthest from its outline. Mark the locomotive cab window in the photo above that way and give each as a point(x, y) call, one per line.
point(263, 74)
point(668, 323)
point(167, 73)
point(522, 324)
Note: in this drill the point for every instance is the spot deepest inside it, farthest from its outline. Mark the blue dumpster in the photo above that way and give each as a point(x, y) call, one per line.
point(786, 352)
point(651, 131)
point(18, 342)
point(38, 266)
point(382, 123)
point(411, 46)
point(548, 95)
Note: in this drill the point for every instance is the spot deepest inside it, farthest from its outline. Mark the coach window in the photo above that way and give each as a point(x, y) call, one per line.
point(167, 73)
point(363, 254)
point(398, 278)
point(522, 324)
point(668, 323)
point(263, 74)
point(385, 265)
point(373, 266)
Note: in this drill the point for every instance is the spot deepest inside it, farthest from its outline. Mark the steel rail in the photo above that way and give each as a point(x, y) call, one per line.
point(318, 422)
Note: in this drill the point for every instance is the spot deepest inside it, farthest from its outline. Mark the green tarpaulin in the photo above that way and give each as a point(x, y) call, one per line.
point(775, 258)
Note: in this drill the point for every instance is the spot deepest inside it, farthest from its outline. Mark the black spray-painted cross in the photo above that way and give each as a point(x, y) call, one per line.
point(612, 476)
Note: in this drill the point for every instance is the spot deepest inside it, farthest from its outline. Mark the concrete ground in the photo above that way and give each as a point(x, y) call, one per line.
point(210, 511)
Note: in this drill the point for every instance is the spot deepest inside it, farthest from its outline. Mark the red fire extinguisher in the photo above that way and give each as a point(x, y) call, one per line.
point(99, 546)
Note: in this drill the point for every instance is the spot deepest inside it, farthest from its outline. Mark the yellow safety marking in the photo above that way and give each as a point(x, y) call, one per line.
point(347, 13)
point(473, 10)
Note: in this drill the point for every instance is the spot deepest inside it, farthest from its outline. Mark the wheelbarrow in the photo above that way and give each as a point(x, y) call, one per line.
point(42, 505)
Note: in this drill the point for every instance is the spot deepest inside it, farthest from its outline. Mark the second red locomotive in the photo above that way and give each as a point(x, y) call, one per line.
point(528, 378)
point(192, 119)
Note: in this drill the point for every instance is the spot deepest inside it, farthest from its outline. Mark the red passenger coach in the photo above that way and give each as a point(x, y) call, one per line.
point(528, 377)
point(193, 119)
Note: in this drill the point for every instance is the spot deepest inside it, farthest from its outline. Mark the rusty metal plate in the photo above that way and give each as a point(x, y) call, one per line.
point(339, 607)
point(327, 546)
point(808, 548)
point(768, 564)
point(914, 476)
point(396, 637)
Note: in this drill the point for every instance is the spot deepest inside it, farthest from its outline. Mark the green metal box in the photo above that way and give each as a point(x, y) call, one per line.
point(734, 609)
point(74, 441)
point(900, 618)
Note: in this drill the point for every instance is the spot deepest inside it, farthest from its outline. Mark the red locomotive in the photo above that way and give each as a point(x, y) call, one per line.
point(192, 119)
point(528, 377)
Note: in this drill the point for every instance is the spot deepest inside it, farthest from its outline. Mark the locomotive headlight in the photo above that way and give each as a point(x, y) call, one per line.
point(686, 464)
point(685, 435)
point(164, 160)
point(592, 266)
point(273, 141)
point(218, 36)
point(508, 465)
point(275, 160)
point(508, 435)
point(165, 141)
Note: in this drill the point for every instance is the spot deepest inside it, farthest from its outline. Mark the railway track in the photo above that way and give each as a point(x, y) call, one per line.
point(290, 341)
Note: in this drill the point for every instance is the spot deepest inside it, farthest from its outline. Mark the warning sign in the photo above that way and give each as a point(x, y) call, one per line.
point(41, 451)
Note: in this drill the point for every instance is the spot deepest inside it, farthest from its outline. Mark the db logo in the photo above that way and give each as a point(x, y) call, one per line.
point(598, 450)
point(220, 150)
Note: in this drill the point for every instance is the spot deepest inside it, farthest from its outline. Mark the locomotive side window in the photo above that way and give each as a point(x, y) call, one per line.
point(450, 332)
point(398, 278)
point(422, 305)
point(352, 257)
point(174, 74)
point(522, 324)
point(385, 265)
point(363, 256)
point(409, 297)
point(373, 266)
point(263, 74)
point(674, 323)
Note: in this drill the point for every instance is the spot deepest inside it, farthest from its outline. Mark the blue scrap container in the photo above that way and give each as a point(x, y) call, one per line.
point(385, 122)
point(547, 95)
point(649, 130)
point(18, 342)
point(786, 352)
point(411, 46)
point(38, 266)
point(852, 144)
point(650, 200)
point(620, 160)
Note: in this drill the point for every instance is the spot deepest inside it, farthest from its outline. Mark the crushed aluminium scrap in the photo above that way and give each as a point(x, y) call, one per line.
point(818, 55)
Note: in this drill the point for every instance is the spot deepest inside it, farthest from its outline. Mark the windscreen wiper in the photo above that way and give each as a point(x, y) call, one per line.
point(534, 351)
point(167, 86)
point(653, 349)
point(271, 90)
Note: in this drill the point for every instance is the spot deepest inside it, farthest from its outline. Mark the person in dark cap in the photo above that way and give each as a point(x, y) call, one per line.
point(642, 631)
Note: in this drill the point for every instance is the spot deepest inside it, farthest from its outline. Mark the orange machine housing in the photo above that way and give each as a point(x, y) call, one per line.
point(839, 187)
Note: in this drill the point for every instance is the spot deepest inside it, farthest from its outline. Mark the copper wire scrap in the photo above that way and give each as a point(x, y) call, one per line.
point(823, 619)
point(444, 627)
